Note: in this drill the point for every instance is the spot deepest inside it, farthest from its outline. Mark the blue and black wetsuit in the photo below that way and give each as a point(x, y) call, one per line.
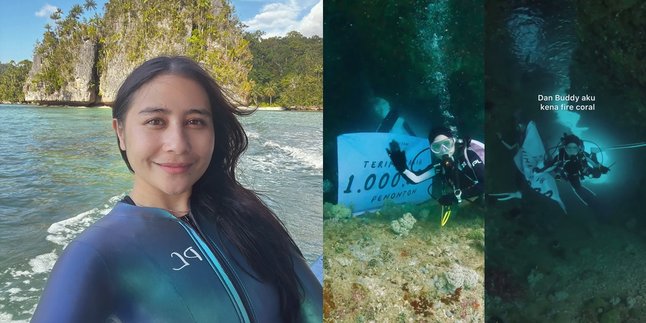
point(140, 264)
point(464, 172)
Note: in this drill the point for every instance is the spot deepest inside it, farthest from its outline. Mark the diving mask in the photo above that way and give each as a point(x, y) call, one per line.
point(572, 149)
point(443, 147)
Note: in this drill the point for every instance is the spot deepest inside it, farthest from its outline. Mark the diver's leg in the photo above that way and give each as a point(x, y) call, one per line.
point(578, 189)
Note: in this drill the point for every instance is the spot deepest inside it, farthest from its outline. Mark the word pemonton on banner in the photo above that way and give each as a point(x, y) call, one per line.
point(367, 177)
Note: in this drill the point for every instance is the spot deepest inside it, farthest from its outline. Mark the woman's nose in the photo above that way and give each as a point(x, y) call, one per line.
point(176, 139)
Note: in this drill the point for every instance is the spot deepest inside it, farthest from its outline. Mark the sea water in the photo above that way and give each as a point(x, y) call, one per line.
point(61, 171)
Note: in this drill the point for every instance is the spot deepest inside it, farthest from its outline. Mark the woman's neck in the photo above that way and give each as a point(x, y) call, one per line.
point(177, 205)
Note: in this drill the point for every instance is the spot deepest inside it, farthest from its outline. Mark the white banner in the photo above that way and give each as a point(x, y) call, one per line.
point(367, 177)
point(532, 155)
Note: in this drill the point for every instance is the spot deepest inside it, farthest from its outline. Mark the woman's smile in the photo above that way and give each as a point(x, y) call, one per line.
point(174, 168)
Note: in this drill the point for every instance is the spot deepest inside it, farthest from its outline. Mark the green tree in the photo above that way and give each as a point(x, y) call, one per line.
point(12, 79)
point(89, 4)
point(270, 90)
point(286, 61)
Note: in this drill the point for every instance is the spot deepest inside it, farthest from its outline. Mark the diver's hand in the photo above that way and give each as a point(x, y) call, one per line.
point(397, 156)
point(604, 169)
point(448, 199)
point(595, 150)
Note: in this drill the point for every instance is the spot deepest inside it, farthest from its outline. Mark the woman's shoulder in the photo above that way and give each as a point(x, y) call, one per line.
point(125, 227)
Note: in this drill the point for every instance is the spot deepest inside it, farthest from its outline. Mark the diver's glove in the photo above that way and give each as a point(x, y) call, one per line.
point(397, 156)
point(604, 169)
point(448, 199)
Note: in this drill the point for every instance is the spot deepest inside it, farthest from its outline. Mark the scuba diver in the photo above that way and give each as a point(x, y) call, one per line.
point(573, 164)
point(460, 170)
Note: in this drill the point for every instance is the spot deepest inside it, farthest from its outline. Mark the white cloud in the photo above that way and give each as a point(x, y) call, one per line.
point(312, 24)
point(279, 18)
point(46, 11)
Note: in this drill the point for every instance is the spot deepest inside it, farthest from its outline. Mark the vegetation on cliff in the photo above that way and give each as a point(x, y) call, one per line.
point(287, 71)
point(205, 30)
point(12, 77)
point(57, 51)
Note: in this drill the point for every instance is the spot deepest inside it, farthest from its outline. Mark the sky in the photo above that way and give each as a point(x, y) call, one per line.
point(22, 22)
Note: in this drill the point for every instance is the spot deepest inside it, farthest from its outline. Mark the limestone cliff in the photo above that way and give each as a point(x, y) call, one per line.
point(78, 90)
point(129, 33)
point(204, 30)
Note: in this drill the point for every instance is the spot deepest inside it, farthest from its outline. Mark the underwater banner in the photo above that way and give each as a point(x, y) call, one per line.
point(367, 177)
point(530, 156)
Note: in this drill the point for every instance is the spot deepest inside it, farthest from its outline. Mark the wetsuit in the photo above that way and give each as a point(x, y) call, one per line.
point(574, 168)
point(140, 264)
point(465, 172)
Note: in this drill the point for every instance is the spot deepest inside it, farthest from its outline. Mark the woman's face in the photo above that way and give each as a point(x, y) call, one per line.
point(443, 145)
point(167, 135)
point(571, 149)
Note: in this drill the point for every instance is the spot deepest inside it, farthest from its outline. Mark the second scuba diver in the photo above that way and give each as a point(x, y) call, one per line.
point(459, 172)
point(573, 164)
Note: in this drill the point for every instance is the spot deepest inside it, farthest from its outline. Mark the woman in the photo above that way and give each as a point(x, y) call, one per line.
point(574, 164)
point(189, 244)
point(460, 170)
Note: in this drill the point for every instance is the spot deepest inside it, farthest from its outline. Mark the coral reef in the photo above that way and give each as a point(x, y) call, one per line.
point(433, 274)
point(403, 225)
point(459, 277)
point(336, 211)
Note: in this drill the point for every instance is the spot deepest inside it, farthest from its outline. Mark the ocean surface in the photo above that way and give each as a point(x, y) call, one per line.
point(60, 171)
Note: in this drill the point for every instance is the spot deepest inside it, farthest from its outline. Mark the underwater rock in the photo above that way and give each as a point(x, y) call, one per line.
point(534, 277)
point(336, 211)
point(365, 253)
point(612, 316)
point(593, 308)
point(403, 225)
point(345, 262)
point(460, 277)
point(559, 296)
point(424, 214)
point(501, 283)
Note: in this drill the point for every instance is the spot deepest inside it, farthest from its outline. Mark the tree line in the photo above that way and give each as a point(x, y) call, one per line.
point(12, 78)
point(287, 71)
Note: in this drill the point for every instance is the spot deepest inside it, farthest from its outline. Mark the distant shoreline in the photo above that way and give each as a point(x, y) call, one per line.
point(246, 108)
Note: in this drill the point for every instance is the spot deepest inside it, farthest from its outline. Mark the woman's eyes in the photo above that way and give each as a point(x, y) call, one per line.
point(157, 122)
point(196, 122)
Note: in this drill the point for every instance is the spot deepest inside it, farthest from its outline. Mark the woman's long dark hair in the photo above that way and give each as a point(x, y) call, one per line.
point(243, 218)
